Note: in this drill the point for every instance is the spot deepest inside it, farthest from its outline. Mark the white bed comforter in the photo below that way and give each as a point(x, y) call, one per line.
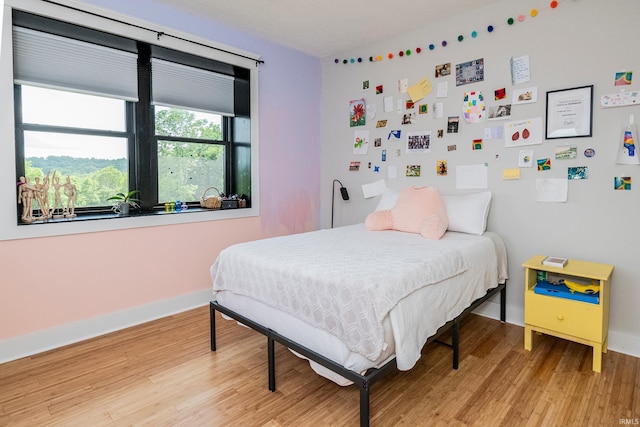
point(344, 280)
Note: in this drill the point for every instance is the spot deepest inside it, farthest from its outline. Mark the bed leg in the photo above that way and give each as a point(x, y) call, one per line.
point(364, 404)
point(212, 325)
point(455, 343)
point(272, 363)
point(503, 304)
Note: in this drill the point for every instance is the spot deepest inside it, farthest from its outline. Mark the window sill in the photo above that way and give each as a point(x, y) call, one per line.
point(99, 222)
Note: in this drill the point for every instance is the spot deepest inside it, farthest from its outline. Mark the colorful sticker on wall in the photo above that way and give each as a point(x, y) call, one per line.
point(623, 78)
point(470, 72)
point(452, 124)
point(354, 166)
point(377, 142)
point(365, 85)
point(476, 144)
point(409, 104)
point(413, 170)
point(473, 107)
point(622, 183)
point(381, 123)
point(452, 147)
point(499, 94)
point(379, 89)
point(357, 110)
point(383, 157)
point(566, 152)
point(441, 167)
point(578, 172)
point(423, 109)
point(544, 164)
point(589, 152)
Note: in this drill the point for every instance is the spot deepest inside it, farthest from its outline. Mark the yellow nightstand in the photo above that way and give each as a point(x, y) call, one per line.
point(582, 322)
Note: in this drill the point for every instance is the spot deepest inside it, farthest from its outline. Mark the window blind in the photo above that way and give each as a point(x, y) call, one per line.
point(191, 88)
point(48, 60)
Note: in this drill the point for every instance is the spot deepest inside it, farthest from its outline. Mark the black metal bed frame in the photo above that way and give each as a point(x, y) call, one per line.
point(372, 375)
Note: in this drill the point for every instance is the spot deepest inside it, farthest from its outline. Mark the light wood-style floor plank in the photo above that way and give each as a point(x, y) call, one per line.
point(163, 373)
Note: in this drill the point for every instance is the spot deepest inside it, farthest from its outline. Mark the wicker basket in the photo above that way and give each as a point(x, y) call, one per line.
point(211, 202)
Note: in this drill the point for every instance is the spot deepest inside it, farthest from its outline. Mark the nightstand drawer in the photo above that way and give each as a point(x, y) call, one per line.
point(575, 318)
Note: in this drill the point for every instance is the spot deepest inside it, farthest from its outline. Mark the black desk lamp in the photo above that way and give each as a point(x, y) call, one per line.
point(343, 192)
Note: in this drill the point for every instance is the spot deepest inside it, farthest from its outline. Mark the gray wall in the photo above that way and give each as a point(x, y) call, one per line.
point(579, 43)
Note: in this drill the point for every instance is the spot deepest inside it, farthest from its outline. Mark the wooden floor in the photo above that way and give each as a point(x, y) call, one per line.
point(163, 374)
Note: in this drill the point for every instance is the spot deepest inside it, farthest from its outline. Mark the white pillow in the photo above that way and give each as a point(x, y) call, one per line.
point(468, 214)
point(388, 200)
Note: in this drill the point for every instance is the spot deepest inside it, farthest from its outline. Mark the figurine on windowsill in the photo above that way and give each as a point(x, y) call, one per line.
point(71, 192)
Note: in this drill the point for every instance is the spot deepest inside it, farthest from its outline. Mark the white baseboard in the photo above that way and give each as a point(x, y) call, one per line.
point(618, 342)
point(37, 342)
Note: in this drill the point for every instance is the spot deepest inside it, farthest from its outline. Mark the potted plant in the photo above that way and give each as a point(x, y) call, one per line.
point(124, 202)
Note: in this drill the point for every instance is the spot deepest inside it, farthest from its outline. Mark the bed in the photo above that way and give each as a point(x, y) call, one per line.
point(352, 301)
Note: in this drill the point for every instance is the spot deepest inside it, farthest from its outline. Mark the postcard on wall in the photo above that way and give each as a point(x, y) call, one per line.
point(471, 177)
point(438, 110)
point(470, 72)
point(525, 96)
point(357, 113)
point(621, 99)
point(443, 70)
point(544, 164)
point(388, 104)
point(622, 183)
point(566, 152)
point(413, 170)
point(623, 78)
point(523, 132)
point(408, 118)
point(578, 172)
point(371, 111)
point(494, 132)
point(551, 190)
point(510, 174)
point(420, 90)
point(452, 124)
point(441, 168)
point(419, 142)
point(443, 90)
point(381, 123)
point(403, 85)
point(394, 134)
point(373, 189)
point(360, 141)
point(525, 159)
point(520, 70)
point(354, 166)
point(499, 112)
point(392, 172)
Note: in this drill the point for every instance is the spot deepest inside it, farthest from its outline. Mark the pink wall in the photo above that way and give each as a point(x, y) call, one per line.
point(50, 282)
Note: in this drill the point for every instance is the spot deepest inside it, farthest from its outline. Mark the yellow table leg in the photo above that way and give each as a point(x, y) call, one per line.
point(597, 357)
point(528, 337)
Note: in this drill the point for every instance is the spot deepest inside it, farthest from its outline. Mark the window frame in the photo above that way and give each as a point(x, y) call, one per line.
point(128, 27)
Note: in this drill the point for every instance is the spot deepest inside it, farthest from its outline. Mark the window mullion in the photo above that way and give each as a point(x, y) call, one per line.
point(146, 153)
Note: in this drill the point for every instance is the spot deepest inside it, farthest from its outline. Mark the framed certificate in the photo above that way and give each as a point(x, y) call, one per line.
point(569, 113)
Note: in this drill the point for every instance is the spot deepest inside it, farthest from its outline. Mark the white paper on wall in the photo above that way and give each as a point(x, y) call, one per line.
point(471, 176)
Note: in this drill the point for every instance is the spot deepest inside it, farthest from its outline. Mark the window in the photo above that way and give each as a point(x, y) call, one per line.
point(115, 114)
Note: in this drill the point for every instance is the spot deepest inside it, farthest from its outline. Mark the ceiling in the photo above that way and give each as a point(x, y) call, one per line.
point(324, 28)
